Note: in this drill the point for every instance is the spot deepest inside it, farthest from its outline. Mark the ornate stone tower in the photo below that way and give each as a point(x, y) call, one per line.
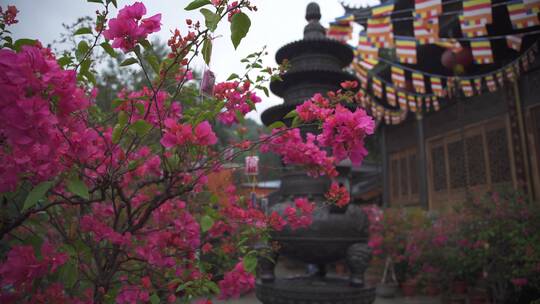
point(316, 66)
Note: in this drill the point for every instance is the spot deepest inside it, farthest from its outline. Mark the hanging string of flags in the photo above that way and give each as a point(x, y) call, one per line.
point(473, 18)
point(373, 87)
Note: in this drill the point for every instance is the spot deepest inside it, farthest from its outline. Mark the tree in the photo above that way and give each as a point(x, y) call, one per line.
point(104, 206)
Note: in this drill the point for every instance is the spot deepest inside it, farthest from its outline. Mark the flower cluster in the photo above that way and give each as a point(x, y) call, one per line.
point(10, 15)
point(301, 216)
point(295, 151)
point(22, 267)
point(38, 104)
point(236, 282)
point(315, 108)
point(128, 28)
point(338, 195)
point(179, 134)
point(344, 132)
point(239, 100)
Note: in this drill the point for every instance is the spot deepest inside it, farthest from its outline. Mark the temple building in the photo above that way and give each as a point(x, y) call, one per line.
point(456, 89)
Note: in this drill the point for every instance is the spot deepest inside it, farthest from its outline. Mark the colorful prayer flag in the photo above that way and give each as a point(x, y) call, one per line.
point(368, 64)
point(472, 28)
point(402, 99)
point(510, 73)
point(477, 10)
point(428, 103)
point(412, 102)
point(365, 49)
point(383, 9)
point(481, 50)
point(500, 78)
point(436, 103)
point(380, 32)
point(426, 30)
point(339, 31)
point(418, 82)
point(490, 82)
point(436, 87)
point(377, 87)
point(391, 95)
point(478, 85)
point(514, 41)
point(427, 8)
point(533, 5)
point(525, 63)
point(466, 87)
point(406, 50)
point(521, 16)
point(398, 77)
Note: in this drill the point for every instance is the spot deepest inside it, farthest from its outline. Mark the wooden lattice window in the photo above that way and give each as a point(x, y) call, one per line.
point(404, 177)
point(499, 159)
point(476, 160)
point(439, 174)
point(475, 156)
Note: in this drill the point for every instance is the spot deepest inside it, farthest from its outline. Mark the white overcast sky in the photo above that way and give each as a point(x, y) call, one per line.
point(276, 23)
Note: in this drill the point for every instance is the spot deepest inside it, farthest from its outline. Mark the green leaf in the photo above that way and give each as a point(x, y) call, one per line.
point(240, 25)
point(36, 194)
point(154, 299)
point(140, 108)
point(250, 263)
point(207, 50)
point(153, 61)
point(265, 90)
point(141, 127)
point(277, 124)
point(233, 76)
point(64, 60)
point(210, 19)
point(291, 114)
point(129, 61)
point(206, 223)
point(85, 65)
point(78, 187)
point(20, 42)
point(114, 3)
point(122, 118)
point(82, 31)
point(82, 48)
point(146, 45)
point(96, 1)
point(90, 77)
point(108, 49)
point(117, 131)
point(69, 274)
point(116, 102)
point(196, 4)
point(296, 122)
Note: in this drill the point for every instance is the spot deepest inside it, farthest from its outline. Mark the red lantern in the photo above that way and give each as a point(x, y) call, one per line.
point(448, 59)
point(464, 57)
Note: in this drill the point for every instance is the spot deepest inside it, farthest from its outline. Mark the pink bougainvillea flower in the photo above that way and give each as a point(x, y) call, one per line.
point(127, 29)
point(339, 195)
point(345, 131)
point(204, 135)
point(236, 282)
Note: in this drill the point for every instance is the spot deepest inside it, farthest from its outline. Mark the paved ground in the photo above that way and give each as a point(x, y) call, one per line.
point(250, 299)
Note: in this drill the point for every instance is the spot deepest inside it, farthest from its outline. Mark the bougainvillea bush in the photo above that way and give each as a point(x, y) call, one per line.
point(491, 242)
point(111, 206)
